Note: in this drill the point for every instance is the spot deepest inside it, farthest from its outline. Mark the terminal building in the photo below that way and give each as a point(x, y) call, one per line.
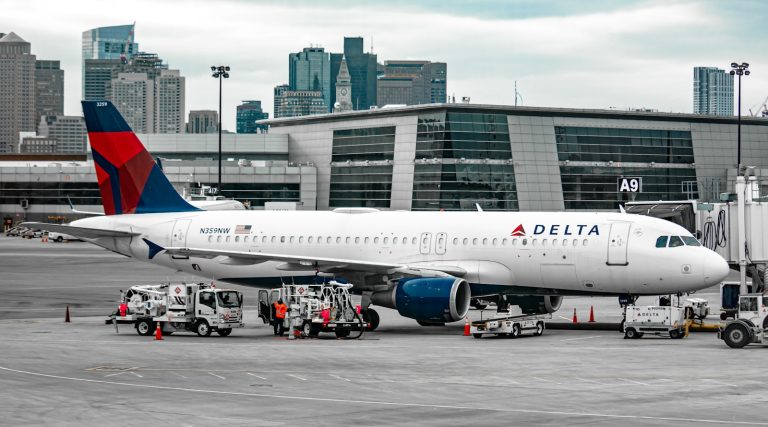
point(431, 157)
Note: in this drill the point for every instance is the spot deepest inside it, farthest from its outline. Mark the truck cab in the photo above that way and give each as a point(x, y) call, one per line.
point(750, 324)
point(217, 309)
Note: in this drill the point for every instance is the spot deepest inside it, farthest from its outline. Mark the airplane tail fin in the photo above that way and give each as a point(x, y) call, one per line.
point(129, 179)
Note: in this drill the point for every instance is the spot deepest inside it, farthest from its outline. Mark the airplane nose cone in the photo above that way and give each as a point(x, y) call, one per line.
point(715, 269)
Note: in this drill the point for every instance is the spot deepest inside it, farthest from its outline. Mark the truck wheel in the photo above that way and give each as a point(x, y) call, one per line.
point(224, 332)
point(371, 317)
point(477, 336)
point(342, 332)
point(145, 327)
point(59, 239)
point(202, 328)
point(539, 328)
point(675, 334)
point(736, 335)
point(515, 331)
point(306, 328)
point(631, 334)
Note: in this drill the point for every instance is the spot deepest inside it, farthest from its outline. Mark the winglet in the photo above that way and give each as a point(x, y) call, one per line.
point(479, 209)
point(621, 208)
point(154, 248)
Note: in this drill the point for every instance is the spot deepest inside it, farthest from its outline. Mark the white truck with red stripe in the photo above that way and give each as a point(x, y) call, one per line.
point(197, 307)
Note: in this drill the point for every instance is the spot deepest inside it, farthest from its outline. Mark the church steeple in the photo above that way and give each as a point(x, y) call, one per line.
point(343, 88)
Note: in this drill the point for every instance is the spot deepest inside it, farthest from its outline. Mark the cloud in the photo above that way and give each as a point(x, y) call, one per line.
point(635, 54)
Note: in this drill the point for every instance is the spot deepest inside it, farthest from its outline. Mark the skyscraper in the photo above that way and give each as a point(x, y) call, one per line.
point(278, 94)
point(49, 89)
point(247, 114)
point(412, 82)
point(116, 43)
point(133, 95)
point(362, 70)
point(343, 89)
point(69, 132)
point(310, 69)
point(17, 90)
point(712, 91)
point(203, 121)
point(170, 93)
point(98, 73)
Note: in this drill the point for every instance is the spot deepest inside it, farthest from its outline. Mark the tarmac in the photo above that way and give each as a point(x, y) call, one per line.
point(85, 373)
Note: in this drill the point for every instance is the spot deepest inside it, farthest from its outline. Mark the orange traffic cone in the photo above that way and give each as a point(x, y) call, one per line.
point(575, 319)
point(592, 314)
point(66, 315)
point(158, 333)
point(466, 327)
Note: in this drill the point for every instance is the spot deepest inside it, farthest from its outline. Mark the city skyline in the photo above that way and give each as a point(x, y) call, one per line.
point(601, 55)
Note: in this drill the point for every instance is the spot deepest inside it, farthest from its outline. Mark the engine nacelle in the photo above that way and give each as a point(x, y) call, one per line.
point(531, 304)
point(429, 299)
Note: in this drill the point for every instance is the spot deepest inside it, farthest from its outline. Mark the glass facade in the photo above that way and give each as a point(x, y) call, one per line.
point(366, 185)
point(474, 162)
point(50, 193)
point(595, 186)
point(256, 194)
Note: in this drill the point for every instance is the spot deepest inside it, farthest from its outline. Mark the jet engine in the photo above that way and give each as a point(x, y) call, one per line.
point(530, 304)
point(427, 299)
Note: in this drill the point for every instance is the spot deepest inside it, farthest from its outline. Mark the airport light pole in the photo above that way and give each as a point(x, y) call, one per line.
point(739, 70)
point(220, 72)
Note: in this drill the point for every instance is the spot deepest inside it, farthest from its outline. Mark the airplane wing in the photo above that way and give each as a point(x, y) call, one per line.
point(299, 263)
point(82, 232)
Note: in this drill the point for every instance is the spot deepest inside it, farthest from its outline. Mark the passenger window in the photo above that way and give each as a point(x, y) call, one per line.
point(675, 241)
point(291, 240)
point(691, 241)
point(386, 240)
point(228, 239)
point(264, 239)
point(505, 241)
point(273, 239)
point(310, 239)
point(349, 239)
point(485, 242)
point(367, 239)
point(514, 242)
point(413, 241)
point(661, 242)
point(376, 240)
point(237, 238)
point(218, 239)
point(301, 239)
point(245, 239)
point(394, 240)
point(357, 240)
point(319, 239)
point(465, 242)
point(282, 239)
point(495, 242)
point(338, 240)
point(525, 242)
point(533, 242)
point(543, 242)
point(584, 242)
point(474, 242)
point(554, 242)
point(210, 238)
point(328, 240)
point(455, 241)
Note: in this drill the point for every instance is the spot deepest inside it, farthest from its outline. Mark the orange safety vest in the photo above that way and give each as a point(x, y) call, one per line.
point(280, 310)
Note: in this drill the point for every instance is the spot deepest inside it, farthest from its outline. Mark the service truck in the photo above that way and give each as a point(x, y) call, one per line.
point(510, 326)
point(654, 319)
point(750, 324)
point(198, 307)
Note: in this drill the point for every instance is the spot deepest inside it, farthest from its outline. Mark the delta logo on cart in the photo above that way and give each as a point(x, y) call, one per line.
point(558, 230)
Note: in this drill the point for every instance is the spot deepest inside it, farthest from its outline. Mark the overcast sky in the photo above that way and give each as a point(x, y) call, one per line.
point(575, 54)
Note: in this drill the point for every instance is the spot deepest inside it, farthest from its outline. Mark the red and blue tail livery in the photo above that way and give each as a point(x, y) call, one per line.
point(129, 178)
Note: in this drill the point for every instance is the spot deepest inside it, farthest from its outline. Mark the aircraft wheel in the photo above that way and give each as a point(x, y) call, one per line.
point(736, 335)
point(202, 328)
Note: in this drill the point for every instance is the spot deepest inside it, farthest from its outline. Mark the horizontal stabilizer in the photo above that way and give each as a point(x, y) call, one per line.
point(82, 232)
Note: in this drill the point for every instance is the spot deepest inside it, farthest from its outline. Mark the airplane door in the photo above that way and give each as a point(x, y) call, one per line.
point(426, 243)
point(618, 240)
point(441, 243)
point(179, 236)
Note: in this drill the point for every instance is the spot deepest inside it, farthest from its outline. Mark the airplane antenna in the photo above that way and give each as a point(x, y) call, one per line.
point(479, 209)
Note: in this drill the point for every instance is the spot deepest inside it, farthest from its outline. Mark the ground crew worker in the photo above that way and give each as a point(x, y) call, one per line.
point(280, 310)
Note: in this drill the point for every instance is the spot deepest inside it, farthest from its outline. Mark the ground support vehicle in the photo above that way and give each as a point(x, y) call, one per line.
point(750, 324)
point(315, 308)
point(696, 308)
point(199, 307)
point(654, 319)
point(510, 326)
point(729, 299)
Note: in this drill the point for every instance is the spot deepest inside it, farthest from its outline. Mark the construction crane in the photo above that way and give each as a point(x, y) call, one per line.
point(127, 45)
point(761, 110)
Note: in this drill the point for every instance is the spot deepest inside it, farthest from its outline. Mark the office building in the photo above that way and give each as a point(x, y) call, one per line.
point(295, 103)
point(169, 107)
point(134, 96)
point(451, 156)
point(362, 70)
point(98, 73)
point(277, 99)
point(17, 91)
point(310, 70)
point(712, 91)
point(203, 121)
point(69, 132)
point(412, 83)
point(247, 114)
point(37, 145)
point(49, 89)
point(105, 43)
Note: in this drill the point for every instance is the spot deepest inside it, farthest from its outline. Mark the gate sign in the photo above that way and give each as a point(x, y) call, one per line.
point(630, 185)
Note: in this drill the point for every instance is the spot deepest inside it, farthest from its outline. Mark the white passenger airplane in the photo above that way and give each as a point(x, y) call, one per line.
point(426, 265)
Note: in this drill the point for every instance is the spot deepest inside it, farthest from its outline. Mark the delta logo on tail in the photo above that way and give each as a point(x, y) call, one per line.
point(130, 180)
point(559, 230)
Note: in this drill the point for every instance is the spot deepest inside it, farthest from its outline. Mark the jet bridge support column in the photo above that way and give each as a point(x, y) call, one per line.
point(742, 231)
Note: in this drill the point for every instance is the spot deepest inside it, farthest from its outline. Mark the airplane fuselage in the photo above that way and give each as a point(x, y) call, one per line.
point(537, 253)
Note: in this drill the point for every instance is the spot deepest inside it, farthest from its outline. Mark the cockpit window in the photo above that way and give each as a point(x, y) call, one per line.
point(675, 241)
point(661, 242)
point(691, 241)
